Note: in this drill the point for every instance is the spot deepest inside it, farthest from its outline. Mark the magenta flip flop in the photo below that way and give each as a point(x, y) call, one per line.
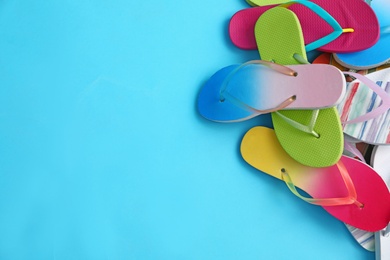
point(329, 26)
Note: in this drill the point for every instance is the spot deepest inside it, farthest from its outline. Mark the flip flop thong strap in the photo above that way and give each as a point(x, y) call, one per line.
point(337, 30)
point(298, 57)
point(384, 107)
point(224, 93)
point(348, 200)
point(304, 128)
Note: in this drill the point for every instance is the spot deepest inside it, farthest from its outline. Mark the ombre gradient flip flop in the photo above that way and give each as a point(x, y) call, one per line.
point(329, 26)
point(239, 92)
point(351, 191)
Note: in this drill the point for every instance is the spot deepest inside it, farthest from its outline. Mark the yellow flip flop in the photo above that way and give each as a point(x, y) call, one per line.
point(350, 190)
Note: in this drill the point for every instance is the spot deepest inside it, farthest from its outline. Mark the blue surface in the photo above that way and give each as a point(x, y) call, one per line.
point(102, 152)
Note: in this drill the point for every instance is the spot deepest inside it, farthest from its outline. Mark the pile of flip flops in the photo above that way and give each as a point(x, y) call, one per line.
point(331, 116)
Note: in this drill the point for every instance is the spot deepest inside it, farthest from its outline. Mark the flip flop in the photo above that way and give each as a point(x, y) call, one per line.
point(379, 53)
point(351, 191)
point(318, 132)
point(365, 109)
point(240, 92)
point(329, 26)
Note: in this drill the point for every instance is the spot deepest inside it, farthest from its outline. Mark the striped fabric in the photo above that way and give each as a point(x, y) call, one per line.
point(359, 100)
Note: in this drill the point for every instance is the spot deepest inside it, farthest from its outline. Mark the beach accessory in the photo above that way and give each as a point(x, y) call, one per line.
point(350, 190)
point(240, 92)
point(334, 26)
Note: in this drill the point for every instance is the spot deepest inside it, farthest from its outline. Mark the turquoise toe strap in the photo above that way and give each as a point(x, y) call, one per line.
point(337, 30)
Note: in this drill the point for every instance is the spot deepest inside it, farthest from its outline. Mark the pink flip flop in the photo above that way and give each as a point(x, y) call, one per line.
point(332, 26)
point(351, 190)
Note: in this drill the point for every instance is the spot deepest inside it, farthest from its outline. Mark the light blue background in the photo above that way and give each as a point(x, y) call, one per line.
point(102, 152)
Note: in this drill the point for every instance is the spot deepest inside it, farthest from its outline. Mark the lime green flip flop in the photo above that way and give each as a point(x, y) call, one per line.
point(312, 137)
point(265, 2)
